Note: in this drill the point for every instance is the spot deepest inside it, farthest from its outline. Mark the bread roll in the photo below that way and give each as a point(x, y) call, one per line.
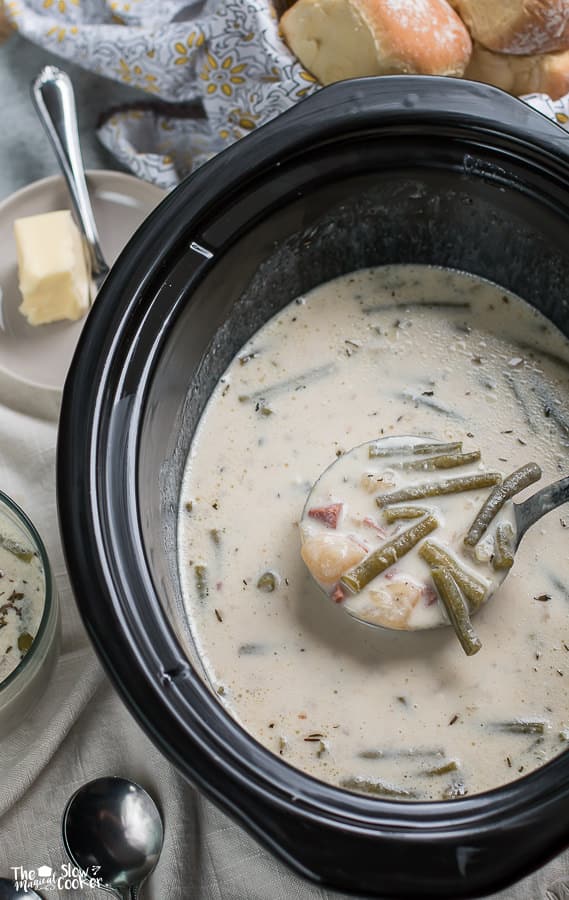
point(337, 39)
point(546, 73)
point(517, 26)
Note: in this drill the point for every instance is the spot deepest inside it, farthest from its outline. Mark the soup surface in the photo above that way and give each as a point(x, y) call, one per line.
point(396, 350)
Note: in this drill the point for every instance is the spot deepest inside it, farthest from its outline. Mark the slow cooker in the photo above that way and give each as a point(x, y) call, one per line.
point(367, 172)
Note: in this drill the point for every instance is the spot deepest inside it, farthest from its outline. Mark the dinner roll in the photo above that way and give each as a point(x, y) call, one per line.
point(517, 26)
point(546, 73)
point(337, 39)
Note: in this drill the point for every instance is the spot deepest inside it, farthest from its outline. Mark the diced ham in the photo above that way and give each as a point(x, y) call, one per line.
point(338, 595)
point(430, 596)
point(327, 514)
point(371, 523)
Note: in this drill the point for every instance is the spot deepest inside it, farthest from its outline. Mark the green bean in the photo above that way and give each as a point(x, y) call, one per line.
point(503, 546)
point(431, 403)
point(267, 582)
point(394, 513)
point(375, 786)
point(444, 461)
point(387, 555)
point(408, 752)
point(443, 769)
point(251, 650)
point(379, 448)
point(457, 610)
point(440, 488)
point(473, 589)
point(200, 573)
point(298, 382)
point(16, 549)
point(512, 485)
point(522, 402)
point(522, 726)
point(416, 304)
point(452, 447)
point(25, 641)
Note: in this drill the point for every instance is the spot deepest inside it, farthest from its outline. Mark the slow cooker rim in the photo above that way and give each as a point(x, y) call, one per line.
point(69, 412)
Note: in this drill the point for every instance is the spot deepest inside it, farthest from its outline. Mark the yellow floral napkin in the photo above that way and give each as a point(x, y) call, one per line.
point(215, 71)
point(558, 110)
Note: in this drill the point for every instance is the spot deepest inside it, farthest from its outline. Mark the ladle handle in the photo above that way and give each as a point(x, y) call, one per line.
point(531, 510)
point(54, 102)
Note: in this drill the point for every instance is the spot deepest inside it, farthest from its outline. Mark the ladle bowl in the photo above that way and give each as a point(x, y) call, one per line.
point(400, 490)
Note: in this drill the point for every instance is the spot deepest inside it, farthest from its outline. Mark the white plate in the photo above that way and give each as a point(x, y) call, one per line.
point(39, 356)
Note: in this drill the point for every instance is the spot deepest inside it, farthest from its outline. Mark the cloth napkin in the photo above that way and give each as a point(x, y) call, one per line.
point(213, 71)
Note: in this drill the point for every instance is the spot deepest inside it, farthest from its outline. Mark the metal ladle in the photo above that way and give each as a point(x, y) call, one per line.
point(54, 102)
point(525, 514)
point(112, 830)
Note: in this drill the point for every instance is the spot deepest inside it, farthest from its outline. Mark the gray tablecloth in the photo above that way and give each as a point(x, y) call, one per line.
point(82, 730)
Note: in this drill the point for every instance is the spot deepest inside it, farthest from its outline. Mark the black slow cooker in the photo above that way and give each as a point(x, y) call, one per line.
point(368, 172)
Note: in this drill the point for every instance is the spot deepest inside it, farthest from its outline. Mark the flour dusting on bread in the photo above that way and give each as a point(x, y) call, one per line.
point(521, 27)
point(414, 14)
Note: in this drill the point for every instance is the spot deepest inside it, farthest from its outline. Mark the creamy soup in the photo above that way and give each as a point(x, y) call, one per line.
point(22, 593)
point(391, 351)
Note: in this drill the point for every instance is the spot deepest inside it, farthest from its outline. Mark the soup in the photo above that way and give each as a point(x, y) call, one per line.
point(396, 350)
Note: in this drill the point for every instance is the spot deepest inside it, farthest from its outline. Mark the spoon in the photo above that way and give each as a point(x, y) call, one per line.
point(112, 830)
point(9, 891)
point(54, 101)
point(393, 601)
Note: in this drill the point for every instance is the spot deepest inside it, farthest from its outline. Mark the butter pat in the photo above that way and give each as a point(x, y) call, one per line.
point(53, 274)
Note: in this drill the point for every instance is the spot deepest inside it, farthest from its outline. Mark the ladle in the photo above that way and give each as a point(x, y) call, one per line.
point(399, 453)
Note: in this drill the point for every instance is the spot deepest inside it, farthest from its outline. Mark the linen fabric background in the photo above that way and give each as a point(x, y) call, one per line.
point(191, 60)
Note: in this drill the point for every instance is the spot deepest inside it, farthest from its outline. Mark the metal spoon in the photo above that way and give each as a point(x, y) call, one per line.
point(112, 830)
point(9, 891)
point(54, 102)
point(521, 516)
